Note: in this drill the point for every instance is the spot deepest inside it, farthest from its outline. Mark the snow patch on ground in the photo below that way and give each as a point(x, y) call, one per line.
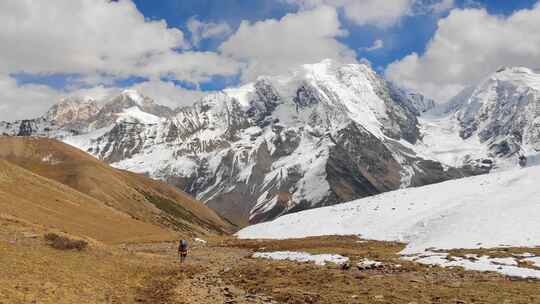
point(198, 240)
point(369, 264)
point(534, 260)
point(506, 266)
point(303, 257)
point(49, 159)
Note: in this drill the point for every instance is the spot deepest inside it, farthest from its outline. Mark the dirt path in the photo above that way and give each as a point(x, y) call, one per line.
point(198, 280)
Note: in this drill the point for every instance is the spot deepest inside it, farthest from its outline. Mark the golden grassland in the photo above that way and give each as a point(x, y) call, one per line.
point(48, 182)
point(149, 273)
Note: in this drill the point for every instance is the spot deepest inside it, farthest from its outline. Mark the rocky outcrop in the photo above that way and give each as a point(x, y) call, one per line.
point(73, 112)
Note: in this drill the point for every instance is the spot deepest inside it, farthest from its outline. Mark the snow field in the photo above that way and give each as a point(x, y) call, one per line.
point(303, 257)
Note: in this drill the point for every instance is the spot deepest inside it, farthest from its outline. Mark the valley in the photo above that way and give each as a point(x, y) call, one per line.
point(222, 271)
point(269, 152)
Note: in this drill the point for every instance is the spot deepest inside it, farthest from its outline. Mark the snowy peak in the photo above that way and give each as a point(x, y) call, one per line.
point(135, 96)
point(72, 111)
point(131, 106)
point(329, 95)
point(519, 76)
point(503, 111)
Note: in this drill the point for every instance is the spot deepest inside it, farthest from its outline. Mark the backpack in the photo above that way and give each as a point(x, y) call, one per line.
point(523, 161)
point(183, 245)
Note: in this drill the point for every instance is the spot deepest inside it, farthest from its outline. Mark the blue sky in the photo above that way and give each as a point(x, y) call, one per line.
point(178, 49)
point(411, 34)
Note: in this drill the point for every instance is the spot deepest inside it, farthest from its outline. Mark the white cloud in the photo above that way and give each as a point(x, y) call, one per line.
point(100, 41)
point(442, 6)
point(19, 102)
point(201, 30)
point(168, 94)
point(275, 46)
point(459, 56)
point(31, 100)
point(379, 13)
point(189, 66)
point(377, 44)
point(95, 38)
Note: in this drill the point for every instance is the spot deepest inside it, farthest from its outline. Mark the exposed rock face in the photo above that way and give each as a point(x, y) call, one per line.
point(73, 112)
point(503, 111)
point(129, 99)
point(325, 134)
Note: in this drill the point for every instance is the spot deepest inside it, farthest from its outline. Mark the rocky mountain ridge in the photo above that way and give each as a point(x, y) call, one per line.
point(504, 111)
point(323, 134)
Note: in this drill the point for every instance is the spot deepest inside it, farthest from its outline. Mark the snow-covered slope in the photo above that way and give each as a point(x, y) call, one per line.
point(498, 209)
point(503, 112)
point(323, 134)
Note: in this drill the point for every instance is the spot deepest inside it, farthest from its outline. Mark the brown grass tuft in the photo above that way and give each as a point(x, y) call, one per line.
point(63, 243)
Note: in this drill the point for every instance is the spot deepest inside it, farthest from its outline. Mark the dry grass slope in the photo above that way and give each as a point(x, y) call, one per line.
point(51, 183)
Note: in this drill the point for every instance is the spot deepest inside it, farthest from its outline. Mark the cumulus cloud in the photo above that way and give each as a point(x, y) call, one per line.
point(168, 94)
point(379, 13)
point(91, 37)
point(18, 102)
point(100, 42)
point(457, 57)
point(189, 66)
point(274, 46)
point(205, 30)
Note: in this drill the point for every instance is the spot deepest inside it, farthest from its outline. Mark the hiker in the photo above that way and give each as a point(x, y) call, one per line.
point(522, 161)
point(183, 250)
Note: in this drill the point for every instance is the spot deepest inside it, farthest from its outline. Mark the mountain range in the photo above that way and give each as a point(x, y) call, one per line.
point(323, 134)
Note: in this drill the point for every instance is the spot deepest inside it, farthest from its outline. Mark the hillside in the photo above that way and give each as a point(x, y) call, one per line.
point(62, 187)
point(499, 210)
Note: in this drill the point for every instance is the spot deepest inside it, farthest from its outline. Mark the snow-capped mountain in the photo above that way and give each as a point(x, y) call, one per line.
point(72, 111)
point(323, 134)
point(503, 111)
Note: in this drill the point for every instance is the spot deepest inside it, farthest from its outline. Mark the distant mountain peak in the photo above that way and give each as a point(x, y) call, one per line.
point(73, 111)
point(136, 96)
point(503, 111)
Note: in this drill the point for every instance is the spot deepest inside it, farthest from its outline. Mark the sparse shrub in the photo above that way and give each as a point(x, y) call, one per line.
point(63, 243)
